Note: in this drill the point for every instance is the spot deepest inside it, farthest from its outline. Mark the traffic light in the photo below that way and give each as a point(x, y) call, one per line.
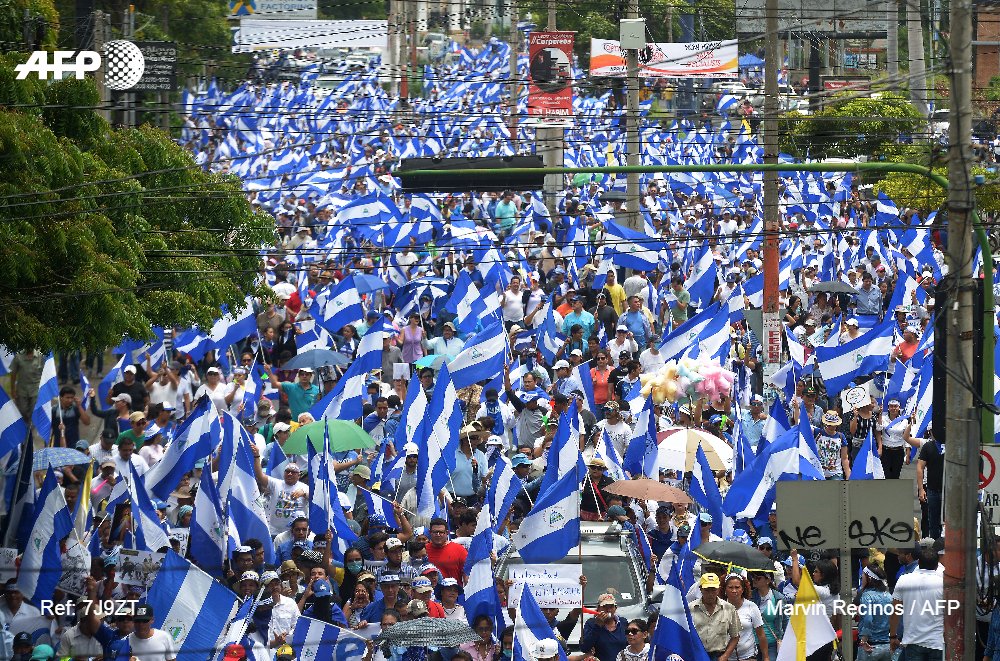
point(471, 177)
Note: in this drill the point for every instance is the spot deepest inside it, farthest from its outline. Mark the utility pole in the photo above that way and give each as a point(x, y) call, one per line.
point(915, 50)
point(100, 23)
point(550, 139)
point(393, 46)
point(404, 67)
point(772, 224)
point(128, 31)
point(892, 42)
point(633, 220)
point(513, 38)
point(963, 436)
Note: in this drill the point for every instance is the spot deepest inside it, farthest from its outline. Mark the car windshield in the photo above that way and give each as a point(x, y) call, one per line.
point(613, 574)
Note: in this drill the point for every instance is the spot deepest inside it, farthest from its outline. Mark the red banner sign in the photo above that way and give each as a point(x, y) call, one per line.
point(550, 73)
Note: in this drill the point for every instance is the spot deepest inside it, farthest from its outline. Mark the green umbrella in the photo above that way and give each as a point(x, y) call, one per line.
point(344, 436)
point(581, 179)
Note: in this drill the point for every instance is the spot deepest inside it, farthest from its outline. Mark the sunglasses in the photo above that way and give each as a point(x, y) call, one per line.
point(633, 632)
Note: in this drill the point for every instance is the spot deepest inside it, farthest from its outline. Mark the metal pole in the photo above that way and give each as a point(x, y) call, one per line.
point(393, 46)
point(892, 42)
point(100, 24)
point(772, 223)
point(128, 28)
point(513, 38)
point(915, 50)
point(961, 447)
point(550, 139)
point(404, 62)
point(632, 158)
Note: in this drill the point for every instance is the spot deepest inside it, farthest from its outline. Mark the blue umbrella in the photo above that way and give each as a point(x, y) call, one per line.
point(365, 283)
point(57, 458)
point(316, 358)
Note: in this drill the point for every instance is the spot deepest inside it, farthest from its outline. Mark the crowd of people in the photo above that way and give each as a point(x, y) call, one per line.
point(571, 304)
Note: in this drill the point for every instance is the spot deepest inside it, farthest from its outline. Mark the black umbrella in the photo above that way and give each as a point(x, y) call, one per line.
point(734, 554)
point(833, 287)
point(428, 632)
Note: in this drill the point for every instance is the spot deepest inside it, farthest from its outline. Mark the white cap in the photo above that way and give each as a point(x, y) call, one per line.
point(130, 369)
point(852, 322)
point(410, 449)
point(494, 440)
point(281, 426)
point(213, 370)
point(545, 649)
point(560, 364)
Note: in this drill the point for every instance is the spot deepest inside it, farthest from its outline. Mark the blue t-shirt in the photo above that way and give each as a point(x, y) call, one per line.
point(300, 399)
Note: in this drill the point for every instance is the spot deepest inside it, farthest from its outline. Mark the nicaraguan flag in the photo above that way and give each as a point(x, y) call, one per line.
point(344, 402)
point(48, 389)
point(633, 250)
point(238, 485)
point(641, 453)
point(552, 527)
point(781, 460)
point(319, 641)
point(482, 358)
point(862, 355)
point(530, 627)
point(13, 430)
point(437, 456)
point(209, 535)
point(466, 302)
point(867, 464)
point(234, 327)
point(690, 332)
point(607, 451)
point(342, 307)
point(504, 488)
point(810, 465)
point(195, 439)
point(481, 597)
point(191, 607)
point(564, 453)
point(381, 506)
point(41, 563)
point(675, 635)
point(705, 490)
point(703, 279)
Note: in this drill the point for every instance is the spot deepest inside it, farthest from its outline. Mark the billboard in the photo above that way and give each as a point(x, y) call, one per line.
point(550, 74)
point(266, 34)
point(280, 9)
point(160, 72)
point(832, 17)
point(700, 59)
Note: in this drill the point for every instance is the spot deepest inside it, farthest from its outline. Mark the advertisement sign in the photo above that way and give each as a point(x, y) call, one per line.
point(273, 9)
point(160, 72)
point(550, 73)
point(264, 34)
point(700, 59)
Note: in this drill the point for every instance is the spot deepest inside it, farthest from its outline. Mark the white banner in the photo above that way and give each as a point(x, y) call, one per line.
point(700, 59)
point(265, 34)
point(554, 586)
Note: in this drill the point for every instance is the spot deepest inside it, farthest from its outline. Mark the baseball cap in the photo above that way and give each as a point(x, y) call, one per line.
point(448, 583)
point(143, 614)
point(545, 649)
point(520, 459)
point(42, 652)
point(23, 638)
point(393, 543)
point(123, 397)
point(494, 440)
point(322, 588)
point(281, 426)
point(410, 449)
point(416, 608)
point(765, 540)
point(389, 578)
point(250, 576)
point(705, 517)
point(606, 599)
point(560, 364)
point(269, 576)
point(421, 584)
point(285, 651)
point(363, 471)
point(709, 581)
point(213, 370)
point(130, 369)
point(307, 370)
point(852, 322)
point(576, 352)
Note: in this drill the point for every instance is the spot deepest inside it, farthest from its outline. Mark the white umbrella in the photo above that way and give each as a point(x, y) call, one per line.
point(679, 446)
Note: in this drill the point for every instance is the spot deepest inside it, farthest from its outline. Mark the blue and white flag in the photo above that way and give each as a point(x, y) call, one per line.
point(564, 453)
point(276, 461)
point(41, 563)
point(641, 455)
point(581, 377)
point(209, 536)
point(607, 451)
point(863, 355)
point(318, 641)
point(550, 340)
point(345, 401)
point(323, 486)
point(437, 454)
point(191, 607)
point(149, 533)
point(194, 440)
point(705, 490)
point(411, 420)
point(238, 486)
point(13, 430)
point(48, 389)
point(234, 327)
point(690, 332)
point(482, 358)
point(382, 507)
point(703, 279)
point(505, 486)
point(675, 635)
point(341, 307)
point(466, 302)
point(481, 597)
point(631, 249)
point(781, 460)
point(867, 464)
point(530, 627)
point(809, 463)
point(921, 404)
point(552, 527)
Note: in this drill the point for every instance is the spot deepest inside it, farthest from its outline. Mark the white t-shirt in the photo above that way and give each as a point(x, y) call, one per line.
point(237, 406)
point(750, 619)
point(650, 362)
point(158, 647)
point(281, 506)
point(218, 396)
point(160, 393)
point(921, 591)
point(513, 308)
point(620, 434)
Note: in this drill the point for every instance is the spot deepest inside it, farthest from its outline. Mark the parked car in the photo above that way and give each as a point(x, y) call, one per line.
point(611, 562)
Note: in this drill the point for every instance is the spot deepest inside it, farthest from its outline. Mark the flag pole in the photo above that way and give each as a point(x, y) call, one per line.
point(384, 498)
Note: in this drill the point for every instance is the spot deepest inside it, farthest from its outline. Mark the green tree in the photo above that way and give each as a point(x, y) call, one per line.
point(917, 192)
point(851, 127)
point(106, 233)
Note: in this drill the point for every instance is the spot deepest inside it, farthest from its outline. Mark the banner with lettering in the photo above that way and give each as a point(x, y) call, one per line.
point(550, 74)
point(699, 59)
